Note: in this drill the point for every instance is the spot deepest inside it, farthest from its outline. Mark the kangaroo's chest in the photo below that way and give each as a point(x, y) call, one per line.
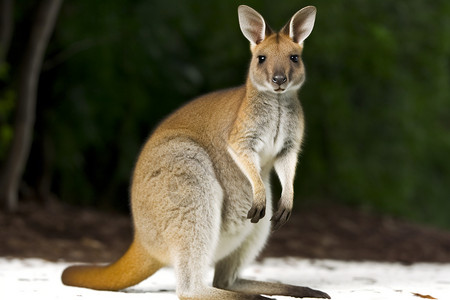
point(265, 129)
point(280, 129)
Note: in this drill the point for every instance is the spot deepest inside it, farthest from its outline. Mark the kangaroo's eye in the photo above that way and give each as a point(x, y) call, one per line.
point(294, 58)
point(261, 59)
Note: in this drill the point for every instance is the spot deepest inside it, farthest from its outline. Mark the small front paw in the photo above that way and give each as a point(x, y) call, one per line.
point(280, 218)
point(256, 213)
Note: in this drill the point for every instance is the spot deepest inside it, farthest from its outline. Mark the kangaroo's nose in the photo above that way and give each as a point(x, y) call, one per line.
point(279, 79)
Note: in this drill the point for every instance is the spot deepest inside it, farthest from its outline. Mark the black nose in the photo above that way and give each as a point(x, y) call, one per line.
point(279, 79)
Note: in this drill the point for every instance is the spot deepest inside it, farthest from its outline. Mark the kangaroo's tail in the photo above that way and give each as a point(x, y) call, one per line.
point(133, 267)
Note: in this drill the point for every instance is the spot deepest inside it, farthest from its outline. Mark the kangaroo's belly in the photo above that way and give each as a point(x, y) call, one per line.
point(235, 229)
point(243, 236)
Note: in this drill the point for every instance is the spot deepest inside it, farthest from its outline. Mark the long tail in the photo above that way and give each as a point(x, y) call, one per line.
point(133, 267)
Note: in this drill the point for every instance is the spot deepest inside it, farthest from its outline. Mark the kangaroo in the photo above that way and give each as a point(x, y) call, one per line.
point(205, 171)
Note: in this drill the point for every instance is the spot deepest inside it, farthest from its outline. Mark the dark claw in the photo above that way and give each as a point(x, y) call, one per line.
point(280, 218)
point(256, 213)
point(306, 292)
point(318, 294)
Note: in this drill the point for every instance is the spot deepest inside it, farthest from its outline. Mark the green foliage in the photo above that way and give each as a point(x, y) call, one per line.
point(376, 98)
point(377, 101)
point(132, 65)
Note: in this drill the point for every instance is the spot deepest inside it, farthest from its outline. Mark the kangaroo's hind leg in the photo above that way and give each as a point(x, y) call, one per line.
point(192, 218)
point(272, 288)
point(227, 274)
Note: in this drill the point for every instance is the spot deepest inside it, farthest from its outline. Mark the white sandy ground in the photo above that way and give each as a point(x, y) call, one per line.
point(38, 279)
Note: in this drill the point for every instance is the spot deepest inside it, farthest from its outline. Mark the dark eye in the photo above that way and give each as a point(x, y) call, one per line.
point(261, 59)
point(294, 58)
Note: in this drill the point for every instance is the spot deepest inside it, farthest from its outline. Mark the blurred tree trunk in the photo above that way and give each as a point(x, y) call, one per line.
point(28, 77)
point(6, 27)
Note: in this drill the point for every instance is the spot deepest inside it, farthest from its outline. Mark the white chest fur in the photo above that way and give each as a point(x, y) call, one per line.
point(282, 128)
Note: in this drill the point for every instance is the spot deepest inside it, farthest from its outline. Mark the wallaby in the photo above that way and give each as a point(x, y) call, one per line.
point(205, 170)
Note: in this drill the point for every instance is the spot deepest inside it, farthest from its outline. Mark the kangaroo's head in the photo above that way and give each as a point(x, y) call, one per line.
point(276, 64)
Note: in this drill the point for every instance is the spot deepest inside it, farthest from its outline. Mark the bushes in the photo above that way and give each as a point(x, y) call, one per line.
point(377, 100)
point(376, 97)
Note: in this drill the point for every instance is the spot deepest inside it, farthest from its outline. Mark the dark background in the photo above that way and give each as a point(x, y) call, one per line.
point(376, 99)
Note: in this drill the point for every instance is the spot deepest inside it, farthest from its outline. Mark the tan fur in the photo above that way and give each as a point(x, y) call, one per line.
point(205, 171)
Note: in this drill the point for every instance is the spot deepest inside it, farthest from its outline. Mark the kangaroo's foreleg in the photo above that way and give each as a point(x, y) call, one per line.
point(285, 169)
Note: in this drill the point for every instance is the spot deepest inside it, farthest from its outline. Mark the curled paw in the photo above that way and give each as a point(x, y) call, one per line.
point(280, 218)
point(256, 213)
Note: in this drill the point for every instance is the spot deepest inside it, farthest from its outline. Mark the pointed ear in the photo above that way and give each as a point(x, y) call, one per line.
point(252, 24)
point(301, 24)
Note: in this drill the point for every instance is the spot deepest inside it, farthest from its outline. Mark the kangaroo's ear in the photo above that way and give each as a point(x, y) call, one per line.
point(252, 24)
point(301, 24)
